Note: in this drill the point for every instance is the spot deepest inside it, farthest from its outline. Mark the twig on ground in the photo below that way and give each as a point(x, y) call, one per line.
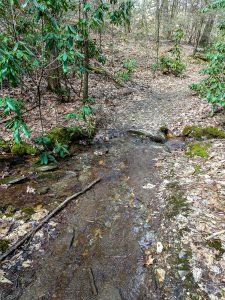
point(215, 234)
point(92, 279)
point(45, 220)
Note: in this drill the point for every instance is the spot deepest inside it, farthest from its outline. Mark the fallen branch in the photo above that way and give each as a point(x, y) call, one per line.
point(215, 234)
point(45, 220)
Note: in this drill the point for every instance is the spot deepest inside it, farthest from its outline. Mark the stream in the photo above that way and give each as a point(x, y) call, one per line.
point(98, 251)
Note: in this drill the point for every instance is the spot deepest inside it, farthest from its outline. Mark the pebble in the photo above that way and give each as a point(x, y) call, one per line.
point(159, 247)
point(197, 274)
point(160, 276)
point(148, 186)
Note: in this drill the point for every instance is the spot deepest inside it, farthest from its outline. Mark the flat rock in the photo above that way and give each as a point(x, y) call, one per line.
point(47, 168)
point(109, 292)
point(154, 135)
point(42, 190)
point(15, 180)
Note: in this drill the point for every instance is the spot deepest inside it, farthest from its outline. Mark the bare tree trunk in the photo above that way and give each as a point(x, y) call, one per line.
point(86, 59)
point(157, 30)
point(198, 36)
point(171, 19)
point(165, 16)
point(205, 37)
point(53, 77)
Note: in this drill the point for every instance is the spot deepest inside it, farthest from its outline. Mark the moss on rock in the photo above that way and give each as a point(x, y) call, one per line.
point(177, 204)
point(4, 146)
point(198, 149)
point(68, 135)
point(28, 210)
point(4, 245)
point(23, 149)
point(203, 132)
point(59, 135)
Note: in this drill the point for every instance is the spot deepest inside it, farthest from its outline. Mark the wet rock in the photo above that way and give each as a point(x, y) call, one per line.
point(13, 180)
point(84, 177)
point(175, 144)
point(160, 276)
point(47, 168)
point(109, 292)
point(183, 273)
point(154, 135)
point(42, 190)
point(62, 184)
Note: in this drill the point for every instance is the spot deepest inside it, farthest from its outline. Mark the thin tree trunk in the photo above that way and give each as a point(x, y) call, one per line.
point(205, 38)
point(198, 36)
point(157, 30)
point(86, 58)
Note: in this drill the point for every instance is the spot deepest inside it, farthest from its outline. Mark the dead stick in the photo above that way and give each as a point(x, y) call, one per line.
point(215, 234)
point(93, 285)
point(56, 210)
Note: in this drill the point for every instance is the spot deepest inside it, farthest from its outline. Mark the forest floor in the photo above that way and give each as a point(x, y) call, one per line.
point(153, 228)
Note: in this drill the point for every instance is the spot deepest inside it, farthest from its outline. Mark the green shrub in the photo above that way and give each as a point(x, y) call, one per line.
point(212, 87)
point(173, 64)
point(129, 66)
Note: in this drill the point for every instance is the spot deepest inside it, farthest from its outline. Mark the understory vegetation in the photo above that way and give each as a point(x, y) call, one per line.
point(54, 46)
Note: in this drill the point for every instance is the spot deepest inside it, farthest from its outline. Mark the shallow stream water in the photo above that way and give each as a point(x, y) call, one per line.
point(98, 252)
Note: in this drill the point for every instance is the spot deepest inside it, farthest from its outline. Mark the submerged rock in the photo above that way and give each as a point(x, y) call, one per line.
point(154, 135)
